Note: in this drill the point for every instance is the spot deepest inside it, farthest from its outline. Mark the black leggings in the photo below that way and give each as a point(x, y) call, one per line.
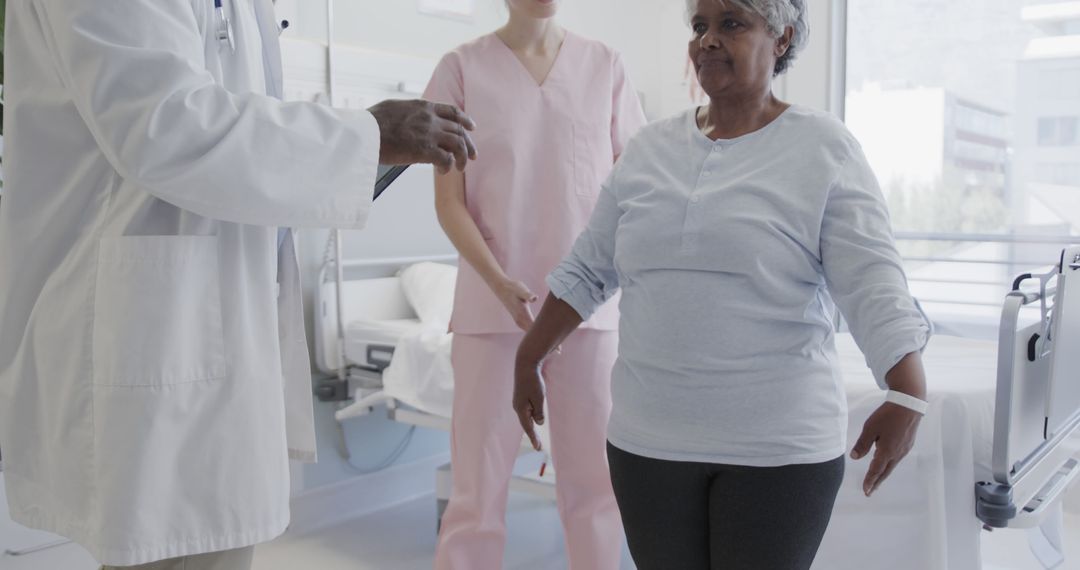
point(704, 516)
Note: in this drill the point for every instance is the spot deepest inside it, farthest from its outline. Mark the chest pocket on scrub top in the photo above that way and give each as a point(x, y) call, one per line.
point(157, 312)
point(593, 156)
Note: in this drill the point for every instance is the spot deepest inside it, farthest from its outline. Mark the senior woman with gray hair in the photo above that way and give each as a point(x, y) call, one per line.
point(731, 231)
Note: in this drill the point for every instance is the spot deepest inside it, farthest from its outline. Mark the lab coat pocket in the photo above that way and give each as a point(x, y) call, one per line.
point(593, 156)
point(157, 312)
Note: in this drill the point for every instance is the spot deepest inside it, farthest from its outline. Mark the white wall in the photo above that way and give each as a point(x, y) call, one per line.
point(396, 26)
point(651, 35)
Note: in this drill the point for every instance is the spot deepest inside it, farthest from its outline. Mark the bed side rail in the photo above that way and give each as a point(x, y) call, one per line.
point(1037, 405)
point(332, 304)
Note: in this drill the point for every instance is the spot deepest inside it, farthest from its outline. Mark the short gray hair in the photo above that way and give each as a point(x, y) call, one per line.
point(778, 14)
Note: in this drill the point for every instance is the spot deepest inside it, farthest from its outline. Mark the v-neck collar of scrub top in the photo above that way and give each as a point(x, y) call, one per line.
point(520, 65)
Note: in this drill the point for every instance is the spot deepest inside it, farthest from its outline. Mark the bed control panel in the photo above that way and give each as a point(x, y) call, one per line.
point(379, 356)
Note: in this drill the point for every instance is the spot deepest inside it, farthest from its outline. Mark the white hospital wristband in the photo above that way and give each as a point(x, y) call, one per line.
point(910, 402)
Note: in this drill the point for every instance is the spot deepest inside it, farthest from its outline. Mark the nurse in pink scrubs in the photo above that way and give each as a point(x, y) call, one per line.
point(554, 110)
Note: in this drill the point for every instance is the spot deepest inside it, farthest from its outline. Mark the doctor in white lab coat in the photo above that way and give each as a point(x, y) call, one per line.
point(154, 375)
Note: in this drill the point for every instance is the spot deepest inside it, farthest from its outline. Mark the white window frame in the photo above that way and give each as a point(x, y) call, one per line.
point(818, 77)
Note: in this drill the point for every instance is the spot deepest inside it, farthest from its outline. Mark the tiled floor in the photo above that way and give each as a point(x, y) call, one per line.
point(404, 538)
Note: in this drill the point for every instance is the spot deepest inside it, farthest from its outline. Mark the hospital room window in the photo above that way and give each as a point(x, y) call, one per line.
point(969, 119)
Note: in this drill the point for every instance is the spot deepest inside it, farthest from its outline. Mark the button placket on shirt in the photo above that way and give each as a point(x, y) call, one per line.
point(694, 214)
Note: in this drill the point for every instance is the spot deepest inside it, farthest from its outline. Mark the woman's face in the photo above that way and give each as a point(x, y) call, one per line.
point(539, 9)
point(732, 49)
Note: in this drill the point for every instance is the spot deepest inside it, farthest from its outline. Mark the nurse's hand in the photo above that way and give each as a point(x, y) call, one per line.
point(419, 131)
point(516, 297)
point(891, 430)
point(529, 398)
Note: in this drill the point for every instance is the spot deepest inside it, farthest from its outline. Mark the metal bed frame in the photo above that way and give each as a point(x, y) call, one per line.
point(1037, 406)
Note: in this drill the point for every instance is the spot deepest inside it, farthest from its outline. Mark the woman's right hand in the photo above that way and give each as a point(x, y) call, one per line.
point(516, 297)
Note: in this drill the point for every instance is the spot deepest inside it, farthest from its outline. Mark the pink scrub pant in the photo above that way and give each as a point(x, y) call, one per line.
point(486, 438)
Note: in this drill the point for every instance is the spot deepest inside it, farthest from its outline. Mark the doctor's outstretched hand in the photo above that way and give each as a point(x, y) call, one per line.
point(891, 429)
point(418, 131)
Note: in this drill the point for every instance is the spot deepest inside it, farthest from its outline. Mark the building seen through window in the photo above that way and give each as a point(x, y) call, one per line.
point(971, 121)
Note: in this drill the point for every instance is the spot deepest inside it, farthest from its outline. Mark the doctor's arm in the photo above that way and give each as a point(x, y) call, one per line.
point(865, 276)
point(136, 72)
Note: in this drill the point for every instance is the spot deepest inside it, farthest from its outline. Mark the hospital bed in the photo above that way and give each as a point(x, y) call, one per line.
point(979, 461)
point(380, 354)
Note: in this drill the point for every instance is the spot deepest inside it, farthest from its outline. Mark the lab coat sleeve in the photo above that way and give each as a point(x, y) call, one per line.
point(136, 71)
point(626, 114)
point(864, 273)
point(587, 278)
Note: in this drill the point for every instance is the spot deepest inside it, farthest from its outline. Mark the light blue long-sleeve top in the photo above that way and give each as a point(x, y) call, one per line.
point(730, 255)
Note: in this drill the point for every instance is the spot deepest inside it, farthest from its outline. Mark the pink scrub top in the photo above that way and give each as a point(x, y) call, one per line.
point(544, 151)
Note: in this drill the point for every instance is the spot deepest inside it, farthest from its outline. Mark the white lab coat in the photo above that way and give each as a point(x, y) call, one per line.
point(151, 375)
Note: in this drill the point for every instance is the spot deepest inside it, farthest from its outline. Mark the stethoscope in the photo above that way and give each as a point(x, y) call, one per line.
point(225, 28)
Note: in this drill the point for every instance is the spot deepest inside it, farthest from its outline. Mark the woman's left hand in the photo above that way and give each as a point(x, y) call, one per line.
point(529, 398)
point(891, 429)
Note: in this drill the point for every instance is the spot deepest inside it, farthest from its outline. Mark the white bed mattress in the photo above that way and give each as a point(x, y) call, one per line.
point(366, 341)
point(421, 374)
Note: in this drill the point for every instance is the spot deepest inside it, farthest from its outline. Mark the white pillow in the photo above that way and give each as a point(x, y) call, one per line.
point(429, 288)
